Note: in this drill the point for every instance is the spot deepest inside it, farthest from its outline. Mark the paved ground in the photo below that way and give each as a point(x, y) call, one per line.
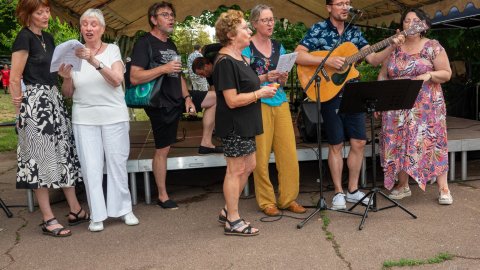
point(190, 237)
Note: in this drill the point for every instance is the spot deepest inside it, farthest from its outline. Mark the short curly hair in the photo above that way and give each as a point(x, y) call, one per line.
point(226, 24)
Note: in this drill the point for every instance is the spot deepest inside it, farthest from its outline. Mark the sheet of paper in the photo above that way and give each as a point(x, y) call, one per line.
point(286, 62)
point(65, 54)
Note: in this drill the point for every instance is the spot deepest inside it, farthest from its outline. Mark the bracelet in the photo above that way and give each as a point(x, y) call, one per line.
point(188, 96)
point(431, 76)
point(256, 97)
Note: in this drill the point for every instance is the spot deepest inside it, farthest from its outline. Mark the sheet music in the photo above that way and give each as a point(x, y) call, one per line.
point(286, 62)
point(65, 54)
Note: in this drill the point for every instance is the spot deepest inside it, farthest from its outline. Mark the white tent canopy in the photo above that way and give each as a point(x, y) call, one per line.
point(126, 17)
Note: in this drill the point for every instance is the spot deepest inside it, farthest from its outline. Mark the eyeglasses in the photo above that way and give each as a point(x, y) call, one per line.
point(166, 15)
point(246, 27)
point(341, 4)
point(267, 20)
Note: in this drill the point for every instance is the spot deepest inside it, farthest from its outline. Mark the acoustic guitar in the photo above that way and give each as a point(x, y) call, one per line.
point(334, 79)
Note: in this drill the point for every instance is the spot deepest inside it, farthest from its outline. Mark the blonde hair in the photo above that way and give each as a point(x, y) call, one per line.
point(226, 24)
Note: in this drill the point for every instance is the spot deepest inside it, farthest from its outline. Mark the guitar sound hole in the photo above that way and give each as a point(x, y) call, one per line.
point(339, 78)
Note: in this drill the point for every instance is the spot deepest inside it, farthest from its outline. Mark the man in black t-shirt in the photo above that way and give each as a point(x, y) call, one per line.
point(174, 93)
point(207, 100)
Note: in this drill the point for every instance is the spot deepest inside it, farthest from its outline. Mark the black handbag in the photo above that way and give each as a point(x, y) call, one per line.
point(145, 94)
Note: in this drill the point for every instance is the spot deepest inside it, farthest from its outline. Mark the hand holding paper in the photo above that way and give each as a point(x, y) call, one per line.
point(286, 62)
point(65, 54)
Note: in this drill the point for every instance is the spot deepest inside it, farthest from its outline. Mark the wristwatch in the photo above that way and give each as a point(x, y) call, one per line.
point(100, 66)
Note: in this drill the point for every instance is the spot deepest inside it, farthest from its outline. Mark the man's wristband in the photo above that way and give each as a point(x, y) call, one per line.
point(187, 96)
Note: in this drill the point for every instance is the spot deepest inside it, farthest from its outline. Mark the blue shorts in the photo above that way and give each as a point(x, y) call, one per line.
point(342, 127)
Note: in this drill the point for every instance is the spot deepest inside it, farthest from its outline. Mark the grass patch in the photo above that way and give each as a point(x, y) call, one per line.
point(138, 115)
point(7, 110)
point(440, 258)
point(8, 139)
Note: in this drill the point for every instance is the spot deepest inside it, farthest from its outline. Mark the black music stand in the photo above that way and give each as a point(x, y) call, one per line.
point(378, 96)
point(5, 208)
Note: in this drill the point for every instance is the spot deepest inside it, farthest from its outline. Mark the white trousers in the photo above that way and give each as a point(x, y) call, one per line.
point(110, 145)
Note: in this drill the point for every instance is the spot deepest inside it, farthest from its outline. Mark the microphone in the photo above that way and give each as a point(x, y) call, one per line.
point(354, 10)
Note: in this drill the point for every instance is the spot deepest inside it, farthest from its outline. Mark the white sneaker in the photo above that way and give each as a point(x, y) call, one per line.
point(445, 199)
point(95, 226)
point(398, 194)
point(130, 219)
point(338, 202)
point(355, 197)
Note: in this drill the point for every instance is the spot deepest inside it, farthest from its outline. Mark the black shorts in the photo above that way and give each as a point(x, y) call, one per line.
point(197, 98)
point(164, 123)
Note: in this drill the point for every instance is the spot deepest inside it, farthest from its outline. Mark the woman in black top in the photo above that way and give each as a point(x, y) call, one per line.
point(238, 117)
point(46, 151)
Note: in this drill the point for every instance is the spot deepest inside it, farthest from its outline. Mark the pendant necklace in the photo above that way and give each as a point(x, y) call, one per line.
point(42, 41)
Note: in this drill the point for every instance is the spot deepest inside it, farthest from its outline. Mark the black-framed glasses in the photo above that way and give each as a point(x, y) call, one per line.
point(166, 15)
point(341, 4)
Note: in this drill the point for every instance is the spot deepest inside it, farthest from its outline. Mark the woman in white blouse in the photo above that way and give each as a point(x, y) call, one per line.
point(100, 122)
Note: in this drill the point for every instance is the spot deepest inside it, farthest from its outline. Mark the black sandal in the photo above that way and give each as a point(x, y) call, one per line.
point(55, 232)
point(78, 219)
point(223, 218)
point(235, 228)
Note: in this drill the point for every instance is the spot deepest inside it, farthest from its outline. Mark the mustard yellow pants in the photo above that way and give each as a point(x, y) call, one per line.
point(278, 135)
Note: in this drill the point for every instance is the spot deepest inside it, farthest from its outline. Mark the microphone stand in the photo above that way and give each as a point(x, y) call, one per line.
point(321, 204)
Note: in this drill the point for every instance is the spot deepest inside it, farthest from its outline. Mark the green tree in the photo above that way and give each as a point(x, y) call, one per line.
point(189, 33)
point(9, 27)
point(289, 34)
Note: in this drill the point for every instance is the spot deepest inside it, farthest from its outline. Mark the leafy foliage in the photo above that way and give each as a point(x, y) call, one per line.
point(289, 34)
point(209, 18)
point(189, 33)
point(9, 29)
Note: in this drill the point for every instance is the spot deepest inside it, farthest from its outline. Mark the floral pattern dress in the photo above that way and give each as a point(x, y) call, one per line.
point(415, 140)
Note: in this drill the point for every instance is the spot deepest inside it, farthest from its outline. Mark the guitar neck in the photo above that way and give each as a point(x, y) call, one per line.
point(374, 48)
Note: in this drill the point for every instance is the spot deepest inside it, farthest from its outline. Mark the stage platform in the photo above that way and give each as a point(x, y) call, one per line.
point(463, 136)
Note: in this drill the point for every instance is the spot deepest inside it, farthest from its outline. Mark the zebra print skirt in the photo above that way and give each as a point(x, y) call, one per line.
point(46, 153)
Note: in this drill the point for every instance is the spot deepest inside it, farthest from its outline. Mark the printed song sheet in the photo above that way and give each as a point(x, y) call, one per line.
point(65, 54)
point(286, 62)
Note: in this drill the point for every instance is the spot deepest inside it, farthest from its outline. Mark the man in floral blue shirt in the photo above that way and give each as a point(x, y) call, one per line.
point(340, 127)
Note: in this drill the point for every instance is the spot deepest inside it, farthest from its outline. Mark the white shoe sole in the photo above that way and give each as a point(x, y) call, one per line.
point(338, 207)
point(355, 201)
point(96, 229)
point(132, 223)
point(445, 202)
point(400, 196)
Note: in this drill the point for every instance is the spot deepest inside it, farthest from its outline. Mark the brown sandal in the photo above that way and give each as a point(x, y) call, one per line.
point(55, 232)
point(78, 219)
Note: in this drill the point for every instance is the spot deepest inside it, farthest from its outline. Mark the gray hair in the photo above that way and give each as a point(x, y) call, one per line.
point(94, 12)
point(256, 10)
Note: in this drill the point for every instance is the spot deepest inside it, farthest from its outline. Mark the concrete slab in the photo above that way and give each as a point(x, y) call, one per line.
point(191, 238)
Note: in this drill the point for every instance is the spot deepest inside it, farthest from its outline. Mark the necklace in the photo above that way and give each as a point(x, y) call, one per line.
point(42, 41)
point(101, 45)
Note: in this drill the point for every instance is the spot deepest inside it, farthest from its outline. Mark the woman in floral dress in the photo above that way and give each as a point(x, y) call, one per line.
point(414, 142)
